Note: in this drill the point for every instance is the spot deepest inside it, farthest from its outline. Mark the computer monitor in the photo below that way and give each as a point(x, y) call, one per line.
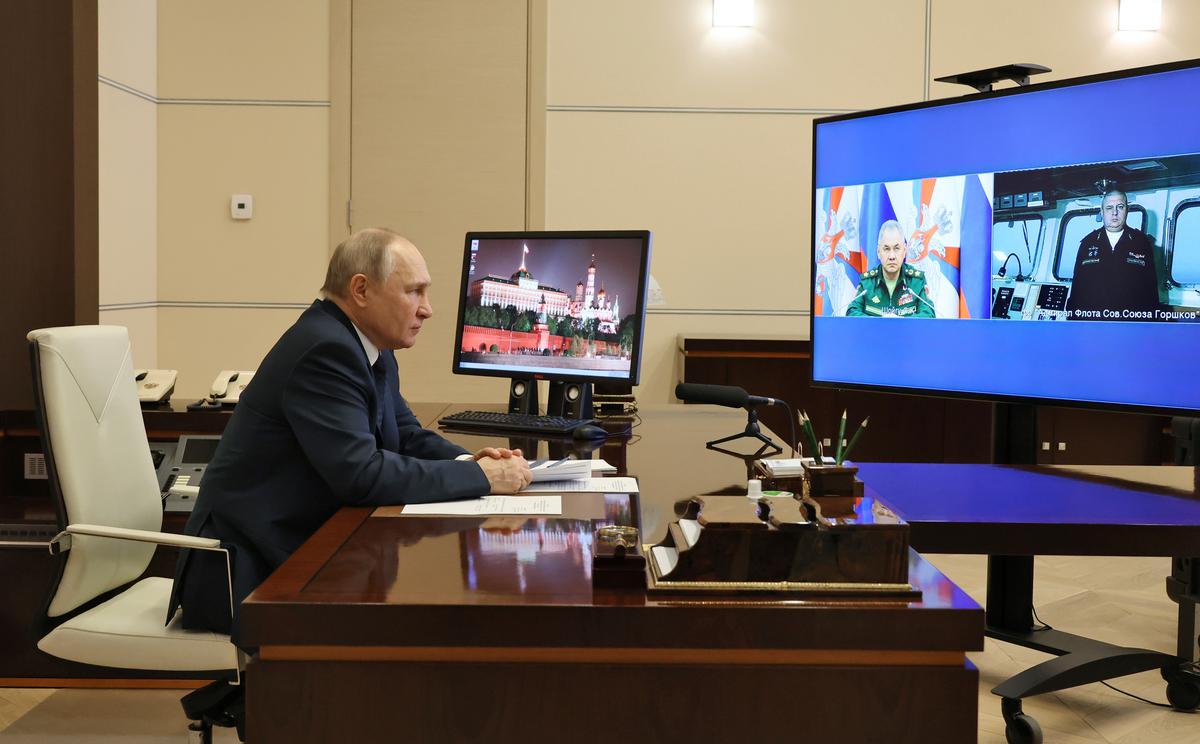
point(568, 307)
point(1033, 245)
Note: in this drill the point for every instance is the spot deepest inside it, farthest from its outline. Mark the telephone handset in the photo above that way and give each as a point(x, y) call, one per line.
point(155, 385)
point(228, 386)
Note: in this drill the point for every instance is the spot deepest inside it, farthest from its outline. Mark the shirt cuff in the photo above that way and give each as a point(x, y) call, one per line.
point(465, 456)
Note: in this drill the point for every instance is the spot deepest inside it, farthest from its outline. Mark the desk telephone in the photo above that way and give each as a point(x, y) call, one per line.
point(228, 386)
point(155, 385)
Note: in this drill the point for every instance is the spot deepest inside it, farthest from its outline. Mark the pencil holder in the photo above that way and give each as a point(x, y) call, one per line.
point(831, 480)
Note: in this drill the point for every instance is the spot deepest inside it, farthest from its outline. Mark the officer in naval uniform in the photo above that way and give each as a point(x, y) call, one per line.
point(892, 288)
point(1114, 278)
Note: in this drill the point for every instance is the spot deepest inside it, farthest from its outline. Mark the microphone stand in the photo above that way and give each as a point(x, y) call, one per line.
point(768, 447)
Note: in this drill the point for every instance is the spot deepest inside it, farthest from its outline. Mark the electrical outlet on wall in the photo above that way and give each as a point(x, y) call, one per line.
point(241, 206)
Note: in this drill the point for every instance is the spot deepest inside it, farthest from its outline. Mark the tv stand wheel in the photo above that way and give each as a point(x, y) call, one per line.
point(1018, 727)
point(1183, 694)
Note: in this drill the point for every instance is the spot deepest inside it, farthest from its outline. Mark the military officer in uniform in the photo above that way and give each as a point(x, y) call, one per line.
point(1115, 278)
point(892, 288)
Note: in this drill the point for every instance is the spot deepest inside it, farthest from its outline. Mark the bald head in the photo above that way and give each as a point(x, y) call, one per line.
point(365, 252)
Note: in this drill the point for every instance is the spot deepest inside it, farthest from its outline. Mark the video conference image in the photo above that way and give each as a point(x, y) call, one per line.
point(1116, 241)
point(904, 249)
point(552, 305)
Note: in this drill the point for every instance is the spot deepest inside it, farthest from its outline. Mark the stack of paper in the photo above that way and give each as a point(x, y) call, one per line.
point(561, 470)
point(786, 467)
point(793, 466)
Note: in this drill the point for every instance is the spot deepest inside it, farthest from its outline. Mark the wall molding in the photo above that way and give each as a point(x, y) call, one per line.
point(200, 304)
point(208, 101)
point(728, 311)
point(769, 111)
point(205, 305)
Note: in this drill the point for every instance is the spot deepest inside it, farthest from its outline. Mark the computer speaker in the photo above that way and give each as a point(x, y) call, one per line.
point(571, 400)
point(523, 395)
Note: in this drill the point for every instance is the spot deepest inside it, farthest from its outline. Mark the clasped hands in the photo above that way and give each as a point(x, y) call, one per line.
point(506, 469)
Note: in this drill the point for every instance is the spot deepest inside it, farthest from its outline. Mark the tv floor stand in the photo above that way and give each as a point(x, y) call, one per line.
point(1079, 660)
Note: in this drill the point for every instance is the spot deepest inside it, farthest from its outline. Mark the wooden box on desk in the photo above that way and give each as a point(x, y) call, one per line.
point(815, 481)
point(780, 545)
point(617, 559)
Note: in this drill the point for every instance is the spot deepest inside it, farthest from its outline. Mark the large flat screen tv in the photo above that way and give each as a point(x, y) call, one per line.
point(1036, 244)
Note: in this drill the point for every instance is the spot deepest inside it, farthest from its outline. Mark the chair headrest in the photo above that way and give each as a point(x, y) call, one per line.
point(94, 356)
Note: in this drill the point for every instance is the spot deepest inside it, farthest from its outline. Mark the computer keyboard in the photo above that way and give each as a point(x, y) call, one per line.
point(522, 422)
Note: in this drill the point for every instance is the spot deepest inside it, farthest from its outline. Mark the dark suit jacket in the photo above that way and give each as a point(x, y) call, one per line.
point(301, 444)
point(1112, 282)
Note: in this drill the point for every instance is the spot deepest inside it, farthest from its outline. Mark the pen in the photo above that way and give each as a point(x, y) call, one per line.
point(560, 462)
point(841, 438)
point(853, 440)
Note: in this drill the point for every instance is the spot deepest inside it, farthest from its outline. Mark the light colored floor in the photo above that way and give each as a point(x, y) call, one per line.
point(1120, 600)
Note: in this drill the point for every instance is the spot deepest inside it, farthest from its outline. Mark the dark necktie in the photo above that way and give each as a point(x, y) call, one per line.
point(379, 372)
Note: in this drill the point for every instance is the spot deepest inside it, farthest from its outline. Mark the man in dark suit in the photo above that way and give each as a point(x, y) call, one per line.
point(323, 425)
point(1115, 277)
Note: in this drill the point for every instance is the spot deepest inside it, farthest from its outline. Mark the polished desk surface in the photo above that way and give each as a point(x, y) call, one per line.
point(506, 582)
point(1042, 510)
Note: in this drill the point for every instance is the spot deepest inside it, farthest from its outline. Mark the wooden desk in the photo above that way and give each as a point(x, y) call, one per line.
point(1013, 513)
point(447, 630)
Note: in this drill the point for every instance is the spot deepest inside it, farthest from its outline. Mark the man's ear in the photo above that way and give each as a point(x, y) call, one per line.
point(357, 289)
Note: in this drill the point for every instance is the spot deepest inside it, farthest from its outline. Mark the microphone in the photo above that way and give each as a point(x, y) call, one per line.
point(927, 302)
point(729, 396)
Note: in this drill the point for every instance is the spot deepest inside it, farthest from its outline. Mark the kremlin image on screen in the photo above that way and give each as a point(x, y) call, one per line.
point(546, 306)
point(906, 249)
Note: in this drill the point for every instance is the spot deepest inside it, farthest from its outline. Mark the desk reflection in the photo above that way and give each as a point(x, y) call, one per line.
point(408, 560)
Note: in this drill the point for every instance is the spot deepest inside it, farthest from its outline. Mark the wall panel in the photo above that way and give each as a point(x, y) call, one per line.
point(230, 49)
point(808, 55)
point(128, 154)
point(277, 154)
point(439, 148)
point(1072, 37)
point(727, 197)
point(199, 342)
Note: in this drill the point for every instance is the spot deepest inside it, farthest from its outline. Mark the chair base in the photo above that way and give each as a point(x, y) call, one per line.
point(219, 703)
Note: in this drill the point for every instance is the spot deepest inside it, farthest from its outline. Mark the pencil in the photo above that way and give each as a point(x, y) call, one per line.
point(841, 438)
point(812, 436)
point(854, 440)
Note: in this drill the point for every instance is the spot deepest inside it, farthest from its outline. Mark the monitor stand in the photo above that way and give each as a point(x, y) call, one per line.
point(1009, 606)
point(1014, 434)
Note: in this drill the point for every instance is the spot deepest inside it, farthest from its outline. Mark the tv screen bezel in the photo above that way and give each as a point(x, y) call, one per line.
point(969, 98)
point(635, 361)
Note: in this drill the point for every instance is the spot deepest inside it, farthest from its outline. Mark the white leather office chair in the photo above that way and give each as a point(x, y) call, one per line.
point(110, 515)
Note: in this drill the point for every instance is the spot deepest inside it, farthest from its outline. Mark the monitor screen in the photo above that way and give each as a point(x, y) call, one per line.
point(198, 450)
point(1038, 244)
point(553, 305)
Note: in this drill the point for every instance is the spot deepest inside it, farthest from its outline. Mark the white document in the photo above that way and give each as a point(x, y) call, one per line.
point(665, 558)
point(566, 470)
point(585, 485)
point(602, 466)
point(490, 506)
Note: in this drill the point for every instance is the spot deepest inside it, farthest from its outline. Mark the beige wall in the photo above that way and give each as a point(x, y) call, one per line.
point(128, 172)
point(520, 113)
point(655, 119)
point(439, 148)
